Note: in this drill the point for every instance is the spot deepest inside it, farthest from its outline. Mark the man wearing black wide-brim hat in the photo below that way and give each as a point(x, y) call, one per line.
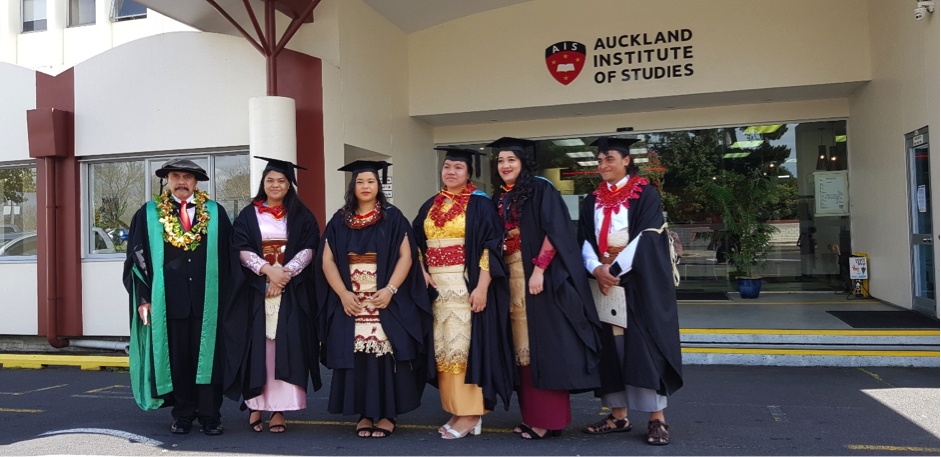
point(177, 275)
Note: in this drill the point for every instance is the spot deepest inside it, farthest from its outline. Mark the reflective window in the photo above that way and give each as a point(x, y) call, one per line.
point(768, 170)
point(122, 10)
point(232, 183)
point(34, 15)
point(81, 12)
point(18, 211)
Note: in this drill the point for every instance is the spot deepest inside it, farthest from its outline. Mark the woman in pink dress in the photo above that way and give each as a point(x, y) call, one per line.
point(271, 343)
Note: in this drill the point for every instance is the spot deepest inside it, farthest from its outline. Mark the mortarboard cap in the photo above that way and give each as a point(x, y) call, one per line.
point(183, 166)
point(282, 166)
point(607, 143)
point(374, 166)
point(512, 144)
point(469, 156)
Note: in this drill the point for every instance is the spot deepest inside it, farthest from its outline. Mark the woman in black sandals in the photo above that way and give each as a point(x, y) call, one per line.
point(271, 342)
point(374, 307)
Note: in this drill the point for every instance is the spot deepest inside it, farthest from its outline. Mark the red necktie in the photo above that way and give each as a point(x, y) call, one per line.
point(605, 227)
point(184, 217)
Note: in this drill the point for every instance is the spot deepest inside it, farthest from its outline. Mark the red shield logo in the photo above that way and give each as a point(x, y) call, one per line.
point(565, 60)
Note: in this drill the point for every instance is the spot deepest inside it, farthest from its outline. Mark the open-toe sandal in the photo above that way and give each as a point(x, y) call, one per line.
point(658, 433)
point(360, 430)
point(385, 432)
point(258, 423)
point(535, 436)
point(277, 428)
point(603, 427)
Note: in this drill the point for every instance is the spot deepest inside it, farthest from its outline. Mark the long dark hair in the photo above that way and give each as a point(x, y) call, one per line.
point(292, 202)
point(523, 189)
point(351, 203)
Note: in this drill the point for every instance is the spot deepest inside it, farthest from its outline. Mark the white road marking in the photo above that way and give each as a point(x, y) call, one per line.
point(134, 438)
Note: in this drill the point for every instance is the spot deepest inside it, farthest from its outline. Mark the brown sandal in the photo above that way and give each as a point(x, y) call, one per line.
point(603, 427)
point(658, 433)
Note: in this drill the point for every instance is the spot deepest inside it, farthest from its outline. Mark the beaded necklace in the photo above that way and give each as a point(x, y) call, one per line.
point(460, 201)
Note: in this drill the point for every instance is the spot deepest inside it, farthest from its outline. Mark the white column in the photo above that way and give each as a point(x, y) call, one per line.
point(9, 29)
point(57, 19)
point(272, 132)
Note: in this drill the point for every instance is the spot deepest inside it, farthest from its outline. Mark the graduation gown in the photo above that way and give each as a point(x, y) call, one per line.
point(297, 342)
point(193, 285)
point(564, 341)
point(652, 357)
point(490, 362)
point(407, 321)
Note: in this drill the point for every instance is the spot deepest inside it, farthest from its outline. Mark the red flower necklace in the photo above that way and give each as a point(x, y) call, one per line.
point(611, 201)
point(460, 205)
point(277, 212)
point(511, 220)
point(358, 221)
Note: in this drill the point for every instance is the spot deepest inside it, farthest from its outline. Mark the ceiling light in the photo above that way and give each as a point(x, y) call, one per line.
point(589, 163)
point(747, 144)
point(644, 160)
point(736, 155)
point(569, 142)
point(580, 155)
point(757, 129)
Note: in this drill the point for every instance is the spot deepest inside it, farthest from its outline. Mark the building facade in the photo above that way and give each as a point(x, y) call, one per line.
point(837, 101)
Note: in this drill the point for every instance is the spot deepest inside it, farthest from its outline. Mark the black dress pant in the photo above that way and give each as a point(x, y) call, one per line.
point(191, 400)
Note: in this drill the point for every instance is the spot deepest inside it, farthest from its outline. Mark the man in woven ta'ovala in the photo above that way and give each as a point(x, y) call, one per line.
point(176, 274)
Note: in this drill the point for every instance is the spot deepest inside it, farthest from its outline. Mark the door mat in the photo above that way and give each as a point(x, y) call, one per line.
point(885, 319)
point(701, 296)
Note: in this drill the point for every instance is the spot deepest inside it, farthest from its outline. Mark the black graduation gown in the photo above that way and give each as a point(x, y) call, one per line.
point(564, 341)
point(490, 362)
point(179, 266)
point(297, 342)
point(652, 357)
point(407, 321)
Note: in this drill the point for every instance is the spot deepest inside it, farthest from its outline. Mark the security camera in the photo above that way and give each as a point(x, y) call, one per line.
point(923, 8)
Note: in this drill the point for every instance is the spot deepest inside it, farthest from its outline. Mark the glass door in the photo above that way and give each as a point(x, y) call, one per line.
point(924, 285)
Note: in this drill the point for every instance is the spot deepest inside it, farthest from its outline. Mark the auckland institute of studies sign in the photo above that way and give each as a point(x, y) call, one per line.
point(624, 58)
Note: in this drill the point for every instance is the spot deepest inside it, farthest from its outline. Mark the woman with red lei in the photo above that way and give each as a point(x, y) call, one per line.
point(271, 343)
point(625, 248)
point(554, 321)
point(460, 237)
point(374, 307)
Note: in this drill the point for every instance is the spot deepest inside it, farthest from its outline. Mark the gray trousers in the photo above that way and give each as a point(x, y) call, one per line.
point(636, 398)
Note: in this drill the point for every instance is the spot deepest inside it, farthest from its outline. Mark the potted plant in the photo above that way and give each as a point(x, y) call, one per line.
point(743, 200)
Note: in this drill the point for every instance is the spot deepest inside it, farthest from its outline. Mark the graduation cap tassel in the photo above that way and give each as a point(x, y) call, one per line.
point(477, 164)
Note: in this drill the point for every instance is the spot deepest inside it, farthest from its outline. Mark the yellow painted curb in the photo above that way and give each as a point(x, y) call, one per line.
point(868, 447)
point(762, 331)
point(408, 426)
point(934, 354)
point(88, 362)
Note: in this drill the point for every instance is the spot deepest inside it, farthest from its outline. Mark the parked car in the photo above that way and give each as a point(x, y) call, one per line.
point(25, 244)
point(8, 232)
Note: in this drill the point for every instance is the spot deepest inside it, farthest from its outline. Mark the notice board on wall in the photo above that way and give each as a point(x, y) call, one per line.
point(831, 193)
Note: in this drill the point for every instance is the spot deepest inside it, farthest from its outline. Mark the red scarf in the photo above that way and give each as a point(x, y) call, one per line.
point(278, 212)
point(611, 201)
point(460, 205)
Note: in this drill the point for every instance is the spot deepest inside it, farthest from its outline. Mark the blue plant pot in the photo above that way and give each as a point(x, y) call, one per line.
point(749, 288)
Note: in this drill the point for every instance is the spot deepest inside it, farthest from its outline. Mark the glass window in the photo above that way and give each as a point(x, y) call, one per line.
point(122, 10)
point(18, 211)
point(116, 191)
point(806, 249)
point(34, 15)
point(232, 183)
point(81, 12)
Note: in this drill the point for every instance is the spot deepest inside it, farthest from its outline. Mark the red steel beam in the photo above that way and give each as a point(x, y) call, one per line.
point(295, 25)
point(237, 26)
point(271, 62)
point(261, 36)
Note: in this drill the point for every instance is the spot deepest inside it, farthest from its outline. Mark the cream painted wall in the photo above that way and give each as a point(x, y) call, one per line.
point(648, 122)
point(19, 307)
point(374, 98)
point(903, 96)
point(104, 300)
point(185, 90)
point(17, 94)
point(495, 60)
point(60, 47)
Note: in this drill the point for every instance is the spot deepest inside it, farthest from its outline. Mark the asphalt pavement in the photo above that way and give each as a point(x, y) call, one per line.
point(722, 410)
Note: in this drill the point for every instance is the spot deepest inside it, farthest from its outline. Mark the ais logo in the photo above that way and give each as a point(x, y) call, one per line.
point(565, 60)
